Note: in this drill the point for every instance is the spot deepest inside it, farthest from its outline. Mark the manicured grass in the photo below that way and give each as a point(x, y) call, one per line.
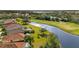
point(66, 26)
point(49, 41)
point(41, 42)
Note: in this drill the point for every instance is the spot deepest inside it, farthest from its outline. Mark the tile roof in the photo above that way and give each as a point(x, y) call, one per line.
point(12, 26)
point(14, 37)
point(13, 45)
point(7, 45)
point(9, 21)
point(20, 44)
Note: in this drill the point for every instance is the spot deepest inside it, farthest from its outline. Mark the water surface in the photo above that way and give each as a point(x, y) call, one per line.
point(67, 40)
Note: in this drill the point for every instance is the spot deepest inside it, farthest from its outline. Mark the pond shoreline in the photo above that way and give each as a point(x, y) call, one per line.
point(67, 40)
point(68, 27)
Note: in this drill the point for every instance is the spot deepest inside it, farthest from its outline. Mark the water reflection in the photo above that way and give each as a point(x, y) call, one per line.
point(67, 40)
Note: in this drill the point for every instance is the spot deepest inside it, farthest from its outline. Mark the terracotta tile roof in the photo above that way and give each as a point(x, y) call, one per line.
point(20, 44)
point(14, 37)
point(9, 21)
point(12, 26)
point(13, 45)
point(7, 45)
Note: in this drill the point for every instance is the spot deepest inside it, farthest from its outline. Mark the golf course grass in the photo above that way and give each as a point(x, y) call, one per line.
point(47, 41)
point(66, 26)
point(42, 41)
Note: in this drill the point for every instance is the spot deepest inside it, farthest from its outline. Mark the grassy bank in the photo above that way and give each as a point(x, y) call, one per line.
point(66, 26)
point(41, 37)
point(43, 41)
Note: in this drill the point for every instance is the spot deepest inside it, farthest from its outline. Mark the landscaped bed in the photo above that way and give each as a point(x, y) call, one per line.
point(66, 26)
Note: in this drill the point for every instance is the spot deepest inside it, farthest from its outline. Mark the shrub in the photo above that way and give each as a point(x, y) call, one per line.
point(4, 33)
point(32, 31)
point(28, 39)
point(18, 19)
point(43, 30)
point(53, 42)
point(42, 35)
point(29, 31)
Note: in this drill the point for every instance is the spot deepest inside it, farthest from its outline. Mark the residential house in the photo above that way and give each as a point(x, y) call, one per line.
point(12, 27)
point(7, 22)
point(7, 45)
point(16, 37)
point(13, 45)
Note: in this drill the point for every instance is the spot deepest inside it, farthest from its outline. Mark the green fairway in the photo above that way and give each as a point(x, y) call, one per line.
point(66, 26)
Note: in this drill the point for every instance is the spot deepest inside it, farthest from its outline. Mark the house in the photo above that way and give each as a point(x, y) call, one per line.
point(7, 45)
point(14, 37)
point(13, 45)
point(20, 44)
point(7, 22)
point(12, 27)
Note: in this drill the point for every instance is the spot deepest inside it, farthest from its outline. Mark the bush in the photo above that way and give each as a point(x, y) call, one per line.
point(42, 35)
point(32, 31)
point(40, 18)
point(43, 30)
point(4, 33)
point(47, 17)
point(29, 31)
point(28, 39)
point(53, 42)
point(18, 19)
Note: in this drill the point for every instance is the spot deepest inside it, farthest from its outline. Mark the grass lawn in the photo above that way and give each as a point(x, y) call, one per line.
point(66, 26)
point(38, 42)
point(50, 40)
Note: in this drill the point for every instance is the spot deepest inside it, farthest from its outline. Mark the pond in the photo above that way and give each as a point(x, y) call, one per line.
point(67, 40)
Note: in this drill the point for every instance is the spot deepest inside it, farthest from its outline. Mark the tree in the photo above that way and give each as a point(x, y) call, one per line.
point(43, 30)
point(28, 39)
point(4, 33)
